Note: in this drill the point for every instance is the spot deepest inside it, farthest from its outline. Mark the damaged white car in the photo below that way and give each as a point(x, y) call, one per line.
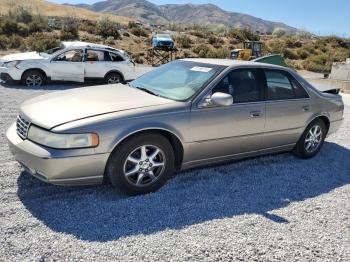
point(72, 61)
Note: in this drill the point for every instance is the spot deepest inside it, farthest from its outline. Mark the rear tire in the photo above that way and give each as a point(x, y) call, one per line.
point(32, 78)
point(113, 78)
point(311, 141)
point(141, 164)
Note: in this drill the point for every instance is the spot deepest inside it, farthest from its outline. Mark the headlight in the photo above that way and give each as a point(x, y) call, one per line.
point(11, 64)
point(62, 141)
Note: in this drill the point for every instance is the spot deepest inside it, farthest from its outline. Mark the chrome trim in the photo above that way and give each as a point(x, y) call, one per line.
point(22, 127)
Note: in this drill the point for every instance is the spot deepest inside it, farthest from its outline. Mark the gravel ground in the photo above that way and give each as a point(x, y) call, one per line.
point(272, 208)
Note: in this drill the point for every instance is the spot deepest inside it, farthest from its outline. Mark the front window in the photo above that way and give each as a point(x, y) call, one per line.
point(178, 80)
point(71, 56)
point(242, 84)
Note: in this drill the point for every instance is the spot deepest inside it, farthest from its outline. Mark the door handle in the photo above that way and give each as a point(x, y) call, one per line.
point(255, 114)
point(306, 108)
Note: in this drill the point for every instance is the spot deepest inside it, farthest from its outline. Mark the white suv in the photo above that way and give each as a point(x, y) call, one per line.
point(73, 61)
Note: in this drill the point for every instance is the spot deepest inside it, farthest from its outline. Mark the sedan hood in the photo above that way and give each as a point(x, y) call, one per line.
point(57, 108)
point(22, 57)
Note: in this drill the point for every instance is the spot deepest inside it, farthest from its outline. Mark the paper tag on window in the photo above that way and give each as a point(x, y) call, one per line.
point(201, 69)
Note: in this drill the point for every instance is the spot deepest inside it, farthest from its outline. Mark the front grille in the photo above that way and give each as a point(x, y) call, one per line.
point(22, 127)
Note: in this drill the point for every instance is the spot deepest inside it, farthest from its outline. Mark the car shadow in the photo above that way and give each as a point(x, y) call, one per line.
point(51, 86)
point(255, 186)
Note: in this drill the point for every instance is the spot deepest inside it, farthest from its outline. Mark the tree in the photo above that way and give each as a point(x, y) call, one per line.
point(107, 28)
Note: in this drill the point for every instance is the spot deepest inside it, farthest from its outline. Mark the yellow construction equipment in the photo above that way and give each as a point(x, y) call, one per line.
point(251, 50)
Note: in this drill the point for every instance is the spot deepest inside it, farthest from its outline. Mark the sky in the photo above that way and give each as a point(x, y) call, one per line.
point(318, 16)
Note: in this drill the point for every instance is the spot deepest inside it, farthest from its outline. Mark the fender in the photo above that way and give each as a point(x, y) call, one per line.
point(156, 126)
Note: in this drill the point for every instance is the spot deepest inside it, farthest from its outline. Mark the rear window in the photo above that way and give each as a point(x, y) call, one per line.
point(281, 86)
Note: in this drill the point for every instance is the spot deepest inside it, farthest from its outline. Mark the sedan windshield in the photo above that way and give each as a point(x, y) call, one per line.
point(178, 80)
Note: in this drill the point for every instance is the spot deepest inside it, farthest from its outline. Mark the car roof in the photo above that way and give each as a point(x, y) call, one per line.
point(92, 45)
point(231, 62)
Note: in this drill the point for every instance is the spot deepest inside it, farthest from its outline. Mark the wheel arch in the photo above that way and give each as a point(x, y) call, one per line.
point(173, 138)
point(37, 69)
point(323, 116)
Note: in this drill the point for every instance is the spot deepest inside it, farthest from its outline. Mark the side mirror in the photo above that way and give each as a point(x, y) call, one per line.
point(221, 99)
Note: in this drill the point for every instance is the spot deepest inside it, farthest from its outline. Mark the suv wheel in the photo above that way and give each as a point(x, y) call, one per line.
point(33, 78)
point(311, 141)
point(141, 164)
point(113, 78)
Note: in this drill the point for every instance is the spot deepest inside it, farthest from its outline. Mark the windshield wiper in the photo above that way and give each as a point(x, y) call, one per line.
point(146, 90)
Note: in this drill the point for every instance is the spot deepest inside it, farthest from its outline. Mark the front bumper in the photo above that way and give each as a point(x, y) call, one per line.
point(10, 75)
point(59, 167)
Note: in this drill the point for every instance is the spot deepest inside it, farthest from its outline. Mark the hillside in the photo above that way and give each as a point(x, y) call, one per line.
point(183, 13)
point(50, 9)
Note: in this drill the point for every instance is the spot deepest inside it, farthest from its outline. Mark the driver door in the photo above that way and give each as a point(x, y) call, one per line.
point(219, 131)
point(68, 66)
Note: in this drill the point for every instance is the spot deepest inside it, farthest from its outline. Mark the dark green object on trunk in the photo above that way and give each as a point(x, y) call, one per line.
point(271, 59)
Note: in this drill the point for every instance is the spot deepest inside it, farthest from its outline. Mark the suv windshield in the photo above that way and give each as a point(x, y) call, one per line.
point(178, 80)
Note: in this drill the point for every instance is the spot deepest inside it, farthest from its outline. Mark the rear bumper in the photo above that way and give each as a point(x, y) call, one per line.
point(334, 126)
point(42, 163)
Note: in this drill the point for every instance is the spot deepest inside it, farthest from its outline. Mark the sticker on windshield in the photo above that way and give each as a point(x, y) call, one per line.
point(201, 69)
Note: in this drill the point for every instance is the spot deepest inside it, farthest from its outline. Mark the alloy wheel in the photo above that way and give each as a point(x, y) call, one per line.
point(313, 138)
point(144, 165)
point(34, 80)
point(113, 80)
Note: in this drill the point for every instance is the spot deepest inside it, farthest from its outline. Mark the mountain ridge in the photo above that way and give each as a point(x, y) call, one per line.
point(146, 11)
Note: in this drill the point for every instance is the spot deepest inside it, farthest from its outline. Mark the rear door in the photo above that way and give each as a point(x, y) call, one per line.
point(95, 64)
point(68, 66)
point(288, 108)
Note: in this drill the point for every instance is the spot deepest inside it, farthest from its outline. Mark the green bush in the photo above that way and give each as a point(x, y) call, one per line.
point(4, 41)
point(16, 41)
point(42, 41)
point(139, 32)
point(202, 48)
point(23, 15)
point(319, 63)
point(106, 28)
point(293, 42)
point(218, 53)
point(290, 54)
point(22, 29)
point(277, 47)
point(293, 64)
point(241, 35)
point(197, 33)
point(8, 26)
point(303, 54)
point(184, 41)
point(69, 32)
point(38, 24)
point(206, 51)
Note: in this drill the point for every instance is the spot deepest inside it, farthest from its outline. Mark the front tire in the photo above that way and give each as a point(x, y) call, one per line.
point(311, 141)
point(141, 164)
point(33, 78)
